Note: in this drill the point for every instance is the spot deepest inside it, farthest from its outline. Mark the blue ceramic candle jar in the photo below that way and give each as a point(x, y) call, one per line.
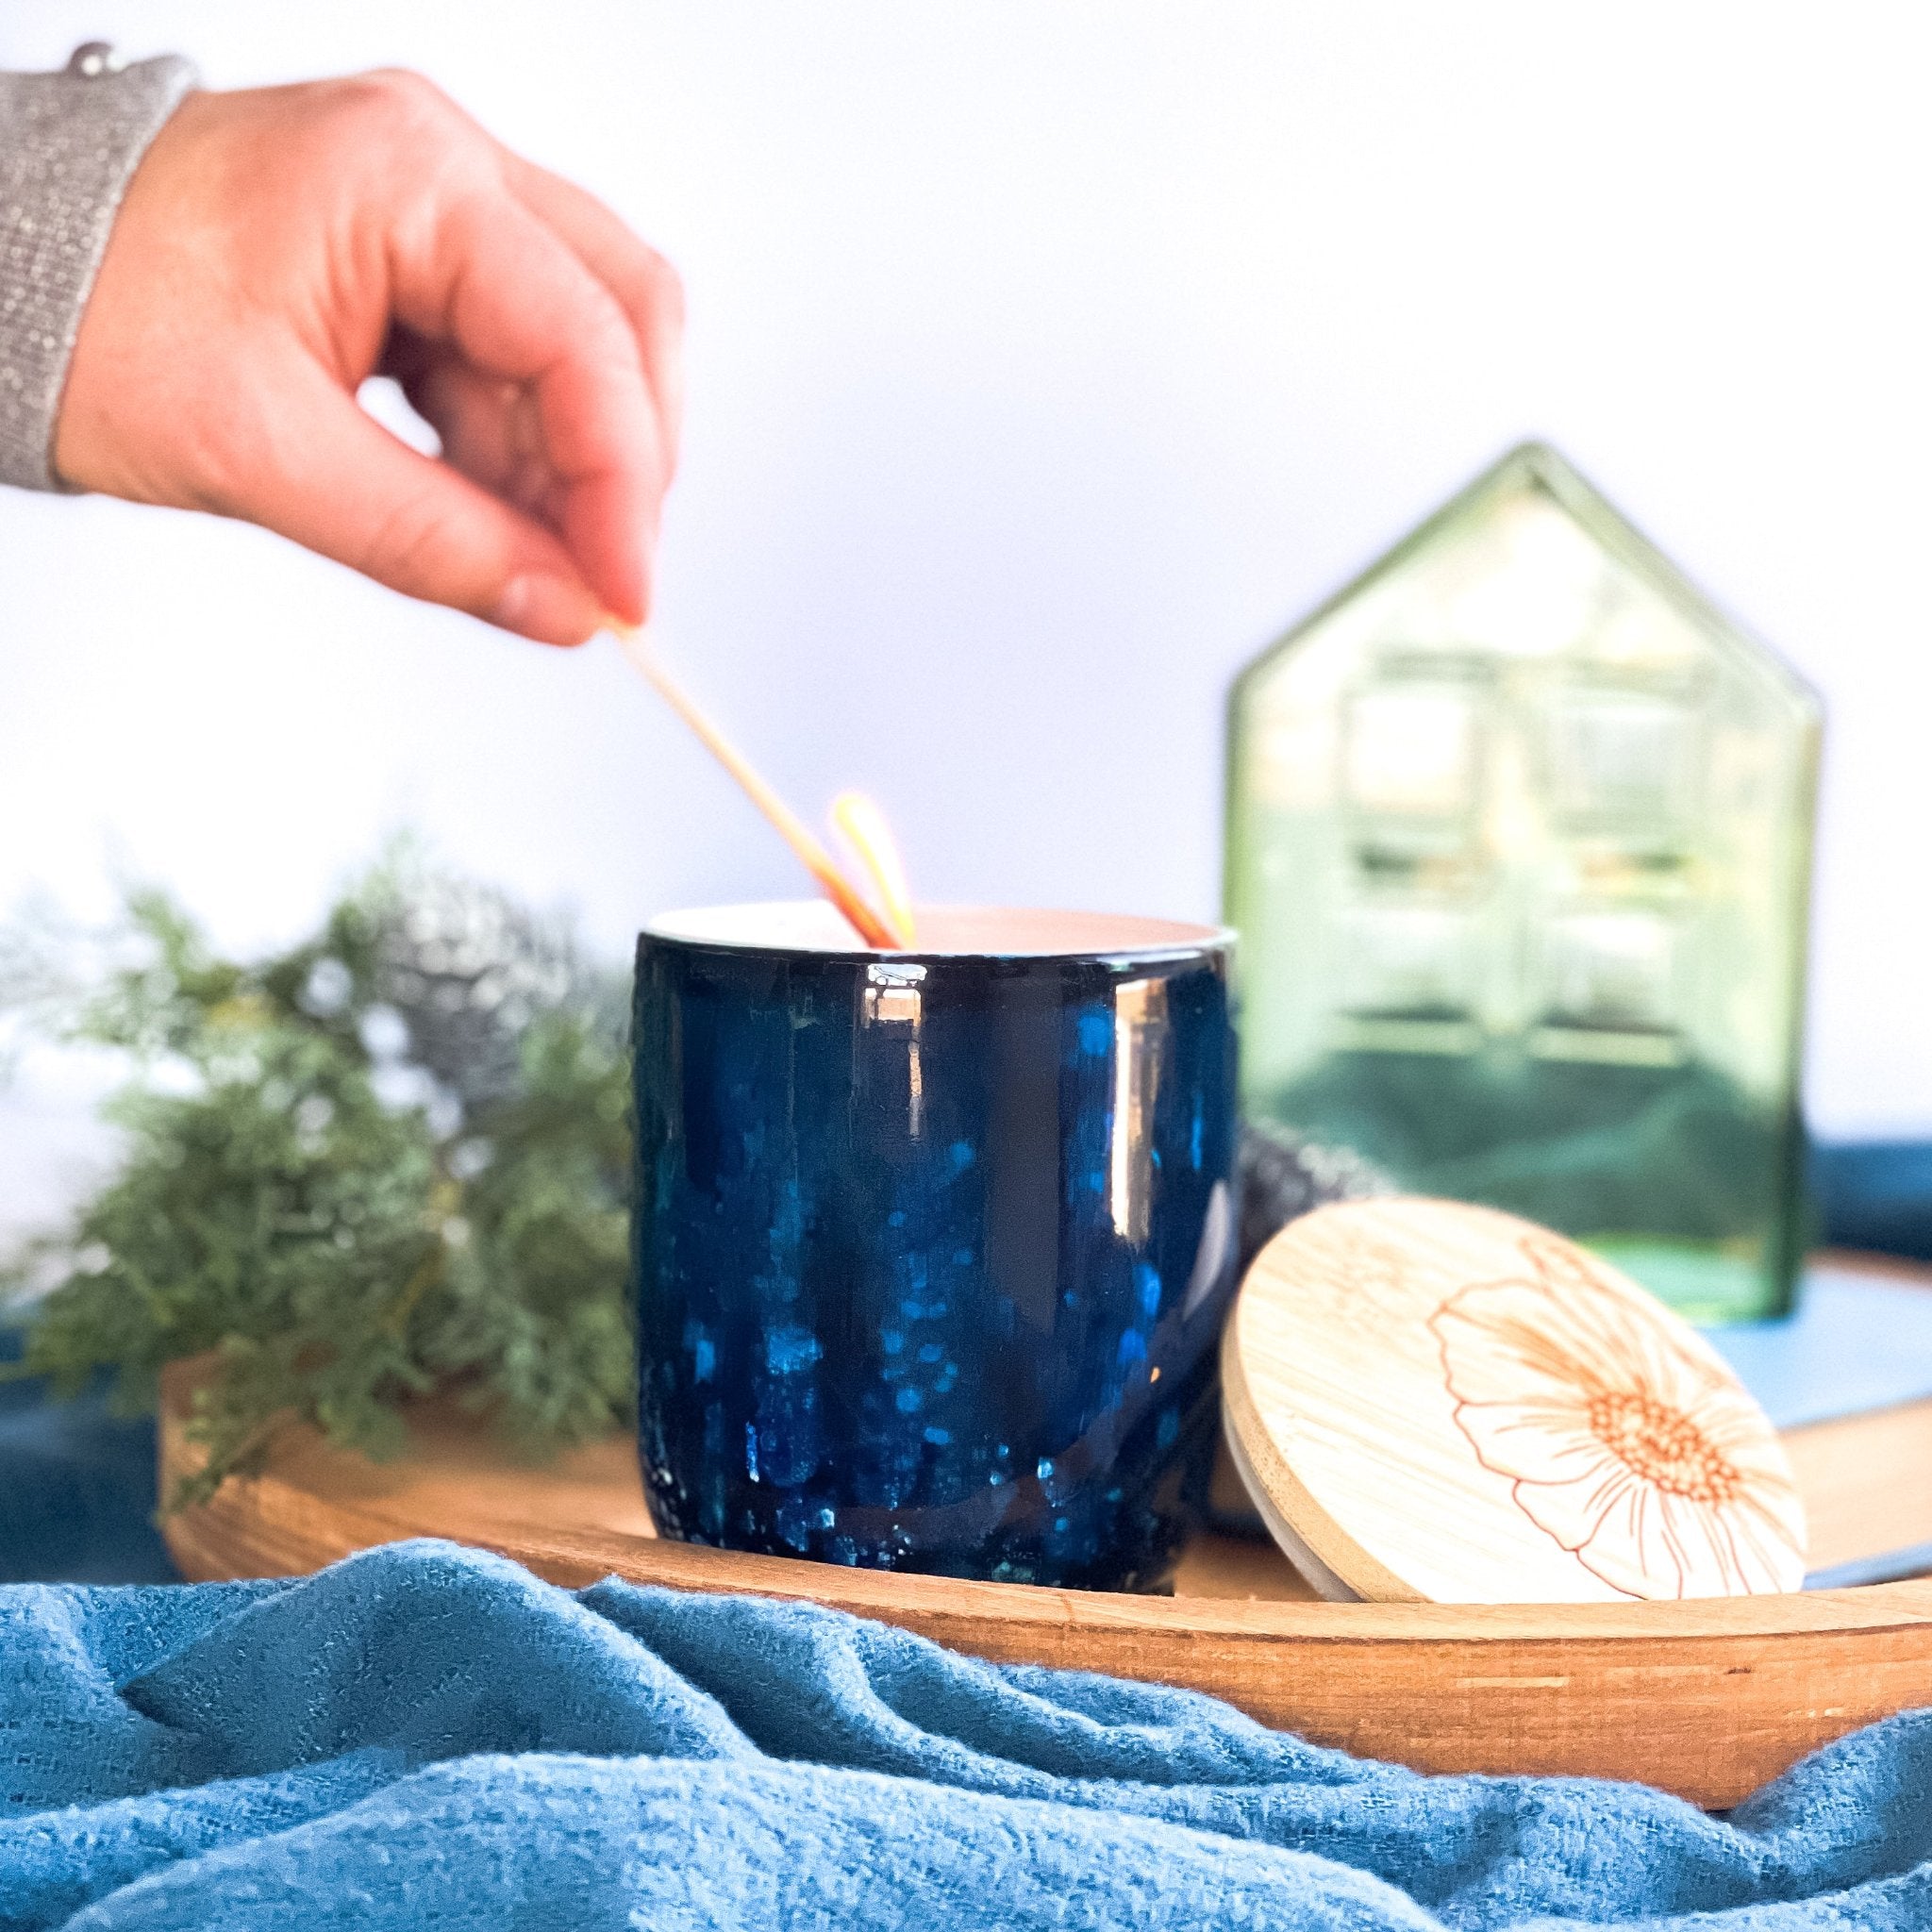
point(932, 1248)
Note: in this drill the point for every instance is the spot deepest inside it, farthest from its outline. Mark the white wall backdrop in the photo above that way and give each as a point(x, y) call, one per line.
point(1045, 358)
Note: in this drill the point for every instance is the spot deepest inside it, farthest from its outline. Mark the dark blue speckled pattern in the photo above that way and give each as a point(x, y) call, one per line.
point(906, 1296)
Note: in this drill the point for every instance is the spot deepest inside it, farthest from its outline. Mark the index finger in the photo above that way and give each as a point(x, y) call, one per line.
point(493, 279)
point(643, 282)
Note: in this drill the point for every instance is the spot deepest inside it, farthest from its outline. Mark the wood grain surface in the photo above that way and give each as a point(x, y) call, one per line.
point(1708, 1698)
point(1433, 1402)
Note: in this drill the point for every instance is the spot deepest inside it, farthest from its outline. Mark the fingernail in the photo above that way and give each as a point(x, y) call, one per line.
point(553, 611)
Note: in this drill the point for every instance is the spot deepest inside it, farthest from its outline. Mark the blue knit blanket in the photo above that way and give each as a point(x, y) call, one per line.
point(426, 1736)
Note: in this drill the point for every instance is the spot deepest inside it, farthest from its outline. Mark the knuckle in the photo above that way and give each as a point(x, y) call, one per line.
point(607, 332)
point(664, 288)
point(395, 105)
point(592, 326)
point(403, 141)
point(398, 89)
point(410, 547)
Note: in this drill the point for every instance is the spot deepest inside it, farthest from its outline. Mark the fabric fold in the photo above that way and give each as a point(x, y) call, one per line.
point(428, 1735)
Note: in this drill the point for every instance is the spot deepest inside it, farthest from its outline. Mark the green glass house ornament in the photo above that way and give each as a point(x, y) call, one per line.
point(1519, 848)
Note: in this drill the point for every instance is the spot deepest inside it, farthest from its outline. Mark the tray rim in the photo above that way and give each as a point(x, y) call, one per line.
point(882, 1592)
point(1707, 1698)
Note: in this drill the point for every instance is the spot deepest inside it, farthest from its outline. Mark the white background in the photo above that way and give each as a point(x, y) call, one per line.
point(1045, 359)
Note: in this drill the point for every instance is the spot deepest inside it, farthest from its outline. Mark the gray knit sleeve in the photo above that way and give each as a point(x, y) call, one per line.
point(69, 146)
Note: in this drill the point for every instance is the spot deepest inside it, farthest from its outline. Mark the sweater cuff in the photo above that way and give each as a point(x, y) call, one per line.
point(69, 146)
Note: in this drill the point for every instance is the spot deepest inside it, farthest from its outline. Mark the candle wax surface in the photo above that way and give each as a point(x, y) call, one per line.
point(816, 925)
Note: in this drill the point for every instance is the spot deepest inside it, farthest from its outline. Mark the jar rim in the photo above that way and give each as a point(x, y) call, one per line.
point(815, 926)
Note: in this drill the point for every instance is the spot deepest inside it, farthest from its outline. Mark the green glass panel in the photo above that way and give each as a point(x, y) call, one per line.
point(1518, 841)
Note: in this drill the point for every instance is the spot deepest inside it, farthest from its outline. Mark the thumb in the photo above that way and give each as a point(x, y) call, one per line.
point(336, 482)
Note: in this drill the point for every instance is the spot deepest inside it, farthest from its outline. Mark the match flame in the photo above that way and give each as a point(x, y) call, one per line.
point(861, 826)
point(789, 825)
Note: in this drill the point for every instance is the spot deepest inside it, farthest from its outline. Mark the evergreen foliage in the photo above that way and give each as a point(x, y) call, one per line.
point(389, 1160)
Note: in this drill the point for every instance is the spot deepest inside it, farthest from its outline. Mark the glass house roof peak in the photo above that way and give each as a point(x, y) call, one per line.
point(1523, 558)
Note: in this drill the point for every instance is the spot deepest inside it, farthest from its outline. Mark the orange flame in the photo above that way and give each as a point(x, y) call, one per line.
point(862, 827)
point(790, 826)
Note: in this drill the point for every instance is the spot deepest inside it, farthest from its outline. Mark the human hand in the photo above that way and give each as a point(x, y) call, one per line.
point(277, 246)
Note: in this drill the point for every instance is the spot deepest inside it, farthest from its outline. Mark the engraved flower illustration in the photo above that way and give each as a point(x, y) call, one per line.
point(1623, 1443)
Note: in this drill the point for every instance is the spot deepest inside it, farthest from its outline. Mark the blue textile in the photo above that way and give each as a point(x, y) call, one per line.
point(77, 1485)
point(1875, 1194)
point(428, 1737)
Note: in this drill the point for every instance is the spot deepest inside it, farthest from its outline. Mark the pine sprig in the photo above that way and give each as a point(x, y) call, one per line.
point(392, 1160)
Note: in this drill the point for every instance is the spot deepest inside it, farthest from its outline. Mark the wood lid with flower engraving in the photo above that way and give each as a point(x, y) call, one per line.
point(1440, 1402)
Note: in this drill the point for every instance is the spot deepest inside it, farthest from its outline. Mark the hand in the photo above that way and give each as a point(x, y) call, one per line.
point(280, 246)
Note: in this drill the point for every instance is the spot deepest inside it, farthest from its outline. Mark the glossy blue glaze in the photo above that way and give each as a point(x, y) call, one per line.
point(932, 1252)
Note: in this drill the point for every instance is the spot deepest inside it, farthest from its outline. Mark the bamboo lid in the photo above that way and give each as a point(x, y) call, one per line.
point(1435, 1402)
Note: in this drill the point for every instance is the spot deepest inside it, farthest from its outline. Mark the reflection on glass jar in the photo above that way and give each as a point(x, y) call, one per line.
point(932, 1248)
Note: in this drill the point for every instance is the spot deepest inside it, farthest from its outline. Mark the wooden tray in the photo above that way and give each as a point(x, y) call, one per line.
point(1707, 1699)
